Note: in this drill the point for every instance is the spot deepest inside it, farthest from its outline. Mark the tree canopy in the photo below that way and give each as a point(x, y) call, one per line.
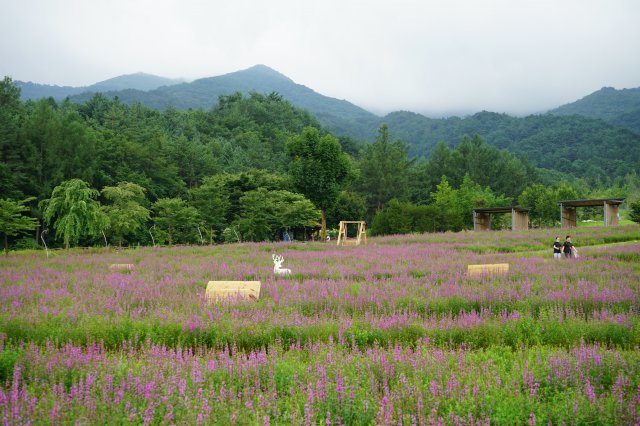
point(384, 171)
point(12, 220)
point(74, 211)
point(318, 168)
point(126, 213)
point(256, 153)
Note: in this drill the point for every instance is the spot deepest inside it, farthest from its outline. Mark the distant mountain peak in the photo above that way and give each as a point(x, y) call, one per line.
point(139, 81)
point(264, 71)
point(263, 67)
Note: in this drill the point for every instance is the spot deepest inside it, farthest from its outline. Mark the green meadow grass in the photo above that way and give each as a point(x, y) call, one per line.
point(394, 332)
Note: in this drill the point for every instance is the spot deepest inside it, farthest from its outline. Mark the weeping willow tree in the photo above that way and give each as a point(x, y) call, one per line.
point(74, 211)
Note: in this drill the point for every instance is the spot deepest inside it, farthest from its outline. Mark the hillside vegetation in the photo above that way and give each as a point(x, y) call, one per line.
point(592, 138)
point(572, 145)
point(618, 107)
point(225, 174)
point(338, 115)
point(138, 81)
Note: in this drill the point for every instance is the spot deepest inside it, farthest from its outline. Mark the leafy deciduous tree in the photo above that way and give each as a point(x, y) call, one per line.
point(471, 195)
point(212, 201)
point(350, 206)
point(634, 211)
point(126, 213)
point(543, 204)
point(264, 213)
point(176, 218)
point(396, 217)
point(319, 169)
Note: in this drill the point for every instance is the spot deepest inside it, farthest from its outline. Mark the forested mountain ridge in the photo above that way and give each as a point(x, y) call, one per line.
point(253, 168)
point(572, 144)
point(618, 107)
point(340, 116)
point(578, 146)
point(138, 81)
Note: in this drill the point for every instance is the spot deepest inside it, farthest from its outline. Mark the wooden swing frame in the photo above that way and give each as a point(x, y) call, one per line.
point(342, 233)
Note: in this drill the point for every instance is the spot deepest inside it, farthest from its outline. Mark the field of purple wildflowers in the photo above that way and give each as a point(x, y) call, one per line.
point(393, 332)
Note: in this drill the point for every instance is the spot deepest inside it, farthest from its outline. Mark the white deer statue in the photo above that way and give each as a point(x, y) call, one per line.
point(277, 265)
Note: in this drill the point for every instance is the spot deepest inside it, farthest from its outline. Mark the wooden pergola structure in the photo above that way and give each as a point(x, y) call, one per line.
point(568, 217)
point(519, 217)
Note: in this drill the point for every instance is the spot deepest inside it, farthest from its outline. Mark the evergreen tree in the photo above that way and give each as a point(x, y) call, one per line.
point(449, 216)
point(13, 176)
point(12, 220)
point(384, 171)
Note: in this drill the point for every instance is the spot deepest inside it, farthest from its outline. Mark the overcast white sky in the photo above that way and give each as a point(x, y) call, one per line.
point(434, 57)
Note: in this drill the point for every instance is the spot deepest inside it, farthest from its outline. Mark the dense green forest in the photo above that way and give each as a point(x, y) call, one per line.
point(340, 116)
point(618, 107)
point(596, 138)
point(590, 139)
point(573, 145)
point(251, 168)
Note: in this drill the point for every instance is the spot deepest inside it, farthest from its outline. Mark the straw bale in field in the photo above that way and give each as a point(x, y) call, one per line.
point(121, 266)
point(220, 290)
point(491, 268)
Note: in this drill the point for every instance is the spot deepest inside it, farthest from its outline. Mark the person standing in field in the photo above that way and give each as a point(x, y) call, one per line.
point(567, 247)
point(557, 249)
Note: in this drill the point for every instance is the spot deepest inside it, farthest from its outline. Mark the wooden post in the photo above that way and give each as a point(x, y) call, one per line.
point(481, 221)
point(610, 214)
point(362, 234)
point(568, 216)
point(519, 220)
point(342, 232)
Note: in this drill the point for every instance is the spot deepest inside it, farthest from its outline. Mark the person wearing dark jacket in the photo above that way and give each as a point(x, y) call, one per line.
point(557, 248)
point(567, 247)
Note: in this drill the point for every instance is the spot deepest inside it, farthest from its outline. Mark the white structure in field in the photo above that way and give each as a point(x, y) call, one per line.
point(277, 265)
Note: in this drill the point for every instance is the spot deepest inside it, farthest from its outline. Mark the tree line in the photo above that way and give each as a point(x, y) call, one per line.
point(593, 150)
point(251, 168)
